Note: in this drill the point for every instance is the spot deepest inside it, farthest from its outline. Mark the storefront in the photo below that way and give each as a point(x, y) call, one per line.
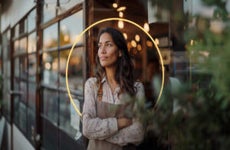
point(36, 37)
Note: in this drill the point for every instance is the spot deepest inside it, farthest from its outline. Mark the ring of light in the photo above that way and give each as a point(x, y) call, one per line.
point(94, 24)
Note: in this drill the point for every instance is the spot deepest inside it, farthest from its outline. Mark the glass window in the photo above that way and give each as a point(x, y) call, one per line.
point(59, 118)
point(49, 10)
point(6, 98)
point(22, 117)
point(75, 73)
point(23, 26)
point(23, 67)
point(70, 28)
point(16, 67)
point(50, 68)
point(69, 119)
point(16, 31)
point(23, 91)
point(50, 105)
point(50, 136)
point(32, 67)
point(16, 109)
point(32, 42)
point(6, 74)
point(16, 47)
point(31, 108)
point(31, 123)
point(32, 95)
point(23, 45)
point(67, 4)
point(50, 37)
point(31, 20)
point(24, 75)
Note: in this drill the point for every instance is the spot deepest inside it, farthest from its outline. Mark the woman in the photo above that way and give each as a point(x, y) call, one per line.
point(106, 126)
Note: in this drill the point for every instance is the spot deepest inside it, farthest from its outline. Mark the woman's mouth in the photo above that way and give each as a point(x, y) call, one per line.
point(103, 58)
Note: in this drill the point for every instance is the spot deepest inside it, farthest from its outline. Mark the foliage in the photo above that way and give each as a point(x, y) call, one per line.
point(203, 105)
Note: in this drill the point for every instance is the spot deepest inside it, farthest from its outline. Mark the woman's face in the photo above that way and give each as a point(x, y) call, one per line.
point(108, 52)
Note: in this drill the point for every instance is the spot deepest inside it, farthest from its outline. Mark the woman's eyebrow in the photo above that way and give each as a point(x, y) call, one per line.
point(105, 42)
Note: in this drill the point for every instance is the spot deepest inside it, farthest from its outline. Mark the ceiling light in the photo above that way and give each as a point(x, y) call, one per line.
point(122, 8)
point(120, 24)
point(115, 5)
point(146, 27)
point(125, 36)
point(137, 37)
point(121, 14)
point(133, 43)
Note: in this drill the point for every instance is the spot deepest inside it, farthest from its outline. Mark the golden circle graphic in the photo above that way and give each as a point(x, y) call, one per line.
point(94, 24)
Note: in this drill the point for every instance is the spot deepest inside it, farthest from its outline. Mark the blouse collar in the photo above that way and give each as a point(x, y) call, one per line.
point(104, 79)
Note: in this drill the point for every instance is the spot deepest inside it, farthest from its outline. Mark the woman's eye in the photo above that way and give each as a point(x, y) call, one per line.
point(109, 45)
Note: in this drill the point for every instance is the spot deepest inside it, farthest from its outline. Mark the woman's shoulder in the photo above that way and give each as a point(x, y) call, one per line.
point(138, 85)
point(91, 80)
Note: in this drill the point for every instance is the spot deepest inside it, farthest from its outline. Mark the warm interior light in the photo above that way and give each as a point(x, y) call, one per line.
point(137, 37)
point(149, 43)
point(139, 48)
point(157, 41)
point(115, 5)
point(66, 38)
point(122, 8)
point(120, 24)
point(146, 27)
point(48, 66)
point(133, 43)
point(121, 14)
point(125, 36)
point(129, 45)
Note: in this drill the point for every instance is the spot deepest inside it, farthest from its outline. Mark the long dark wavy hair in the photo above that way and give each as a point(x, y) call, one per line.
point(124, 66)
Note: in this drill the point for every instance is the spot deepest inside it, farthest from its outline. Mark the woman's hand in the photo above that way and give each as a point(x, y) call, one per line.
point(123, 122)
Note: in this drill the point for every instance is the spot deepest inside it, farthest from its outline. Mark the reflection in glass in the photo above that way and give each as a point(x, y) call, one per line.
point(49, 10)
point(67, 4)
point(31, 123)
point(23, 67)
point(16, 84)
point(6, 103)
point(16, 67)
point(31, 20)
point(22, 116)
point(50, 37)
point(32, 95)
point(50, 136)
point(16, 47)
point(22, 45)
point(23, 26)
point(32, 42)
point(16, 31)
point(7, 81)
point(16, 109)
point(50, 68)
point(69, 119)
point(32, 67)
point(70, 28)
point(23, 90)
point(50, 105)
point(75, 76)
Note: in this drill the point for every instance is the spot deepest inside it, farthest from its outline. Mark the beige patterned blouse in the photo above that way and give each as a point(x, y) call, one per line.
point(100, 117)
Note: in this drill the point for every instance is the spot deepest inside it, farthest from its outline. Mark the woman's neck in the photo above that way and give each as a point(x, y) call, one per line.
point(110, 75)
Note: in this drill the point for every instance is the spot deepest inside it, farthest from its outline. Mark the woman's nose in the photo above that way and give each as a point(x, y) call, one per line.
point(103, 49)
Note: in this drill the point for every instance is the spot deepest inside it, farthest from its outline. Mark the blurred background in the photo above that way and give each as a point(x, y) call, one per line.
point(35, 40)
